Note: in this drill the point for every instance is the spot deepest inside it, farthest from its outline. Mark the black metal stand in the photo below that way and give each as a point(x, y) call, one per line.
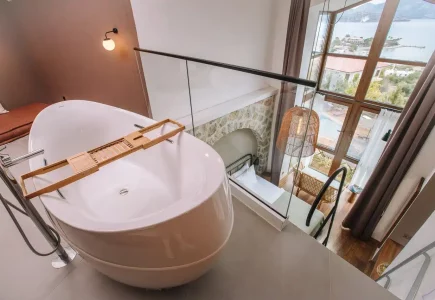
point(333, 211)
point(65, 255)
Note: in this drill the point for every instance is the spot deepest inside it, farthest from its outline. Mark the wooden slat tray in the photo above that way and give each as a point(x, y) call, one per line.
point(85, 163)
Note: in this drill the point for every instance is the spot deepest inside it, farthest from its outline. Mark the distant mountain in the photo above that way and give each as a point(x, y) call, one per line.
point(408, 9)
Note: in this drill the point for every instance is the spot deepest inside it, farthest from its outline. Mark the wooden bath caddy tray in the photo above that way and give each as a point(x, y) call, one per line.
point(85, 163)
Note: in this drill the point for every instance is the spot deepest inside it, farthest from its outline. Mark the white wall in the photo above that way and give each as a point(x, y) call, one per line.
point(280, 14)
point(423, 166)
point(238, 32)
point(236, 144)
point(421, 209)
point(234, 32)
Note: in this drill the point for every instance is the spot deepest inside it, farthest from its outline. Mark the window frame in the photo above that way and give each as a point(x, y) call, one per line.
point(358, 103)
point(379, 39)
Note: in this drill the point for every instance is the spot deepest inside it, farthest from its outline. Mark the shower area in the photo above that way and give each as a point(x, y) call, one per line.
point(236, 111)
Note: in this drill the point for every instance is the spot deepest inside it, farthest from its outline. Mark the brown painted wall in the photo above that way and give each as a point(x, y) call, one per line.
point(63, 39)
point(19, 84)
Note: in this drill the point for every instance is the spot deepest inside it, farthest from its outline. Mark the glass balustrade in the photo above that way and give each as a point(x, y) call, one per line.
point(239, 112)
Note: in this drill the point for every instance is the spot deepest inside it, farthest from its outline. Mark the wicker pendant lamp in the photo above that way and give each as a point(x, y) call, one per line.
point(292, 132)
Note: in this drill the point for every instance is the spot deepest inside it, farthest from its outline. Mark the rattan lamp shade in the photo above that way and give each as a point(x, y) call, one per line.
point(292, 132)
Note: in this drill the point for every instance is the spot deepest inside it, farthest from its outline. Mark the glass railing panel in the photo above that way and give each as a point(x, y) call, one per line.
point(260, 123)
point(236, 113)
point(167, 86)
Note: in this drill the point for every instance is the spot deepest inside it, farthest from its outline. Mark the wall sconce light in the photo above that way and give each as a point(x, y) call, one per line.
point(108, 43)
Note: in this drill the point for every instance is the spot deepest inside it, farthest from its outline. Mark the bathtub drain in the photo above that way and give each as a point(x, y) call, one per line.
point(123, 192)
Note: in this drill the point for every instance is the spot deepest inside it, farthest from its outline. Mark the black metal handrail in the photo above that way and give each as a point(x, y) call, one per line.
point(296, 80)
point(316, 202)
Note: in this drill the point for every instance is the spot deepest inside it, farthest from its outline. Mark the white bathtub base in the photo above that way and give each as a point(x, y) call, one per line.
point(150, 278)
point(153, 278)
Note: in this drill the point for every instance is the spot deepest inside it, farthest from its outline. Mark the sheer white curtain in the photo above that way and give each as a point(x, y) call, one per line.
point(385, 121)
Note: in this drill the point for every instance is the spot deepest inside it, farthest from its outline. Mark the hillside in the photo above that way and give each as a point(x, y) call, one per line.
point(408, 9)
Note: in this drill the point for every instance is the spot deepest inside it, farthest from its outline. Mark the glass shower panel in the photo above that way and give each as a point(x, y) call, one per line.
point(167, 86)
point(236, 113)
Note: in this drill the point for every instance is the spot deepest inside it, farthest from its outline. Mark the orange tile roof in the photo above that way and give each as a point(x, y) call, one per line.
point(348, 65)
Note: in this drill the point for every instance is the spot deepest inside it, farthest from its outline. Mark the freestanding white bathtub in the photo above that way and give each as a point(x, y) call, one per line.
point(157, 218)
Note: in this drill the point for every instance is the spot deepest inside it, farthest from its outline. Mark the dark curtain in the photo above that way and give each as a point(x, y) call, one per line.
point(414, 125)
point(294, 46)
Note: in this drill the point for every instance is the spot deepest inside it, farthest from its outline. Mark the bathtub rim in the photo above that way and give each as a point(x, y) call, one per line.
point(128, 225)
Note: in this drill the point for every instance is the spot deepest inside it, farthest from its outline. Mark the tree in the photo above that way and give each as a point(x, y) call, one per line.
point(356, 78)
point(335, 42)
point(397, 97)
point(327, 81)
point(351, 88)
point(399, 88)
point(374, 92)
point(367, 42)
point(353, 48)
point(341, 86)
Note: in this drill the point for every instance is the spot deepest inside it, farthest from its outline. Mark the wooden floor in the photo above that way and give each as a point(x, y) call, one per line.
point(341, 242)
point(358, 253)
point(386, 255)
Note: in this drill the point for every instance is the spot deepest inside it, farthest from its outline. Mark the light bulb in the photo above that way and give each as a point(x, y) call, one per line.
point(299, 128)
point(108, 44)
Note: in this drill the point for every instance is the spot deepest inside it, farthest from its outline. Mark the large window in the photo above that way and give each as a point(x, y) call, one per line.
point(367, 57)
point(319, 46)
point(331, 116)
point(411, 35)
point(354, 29)
point(362, 134)
point(393, 83)
point(342, 75)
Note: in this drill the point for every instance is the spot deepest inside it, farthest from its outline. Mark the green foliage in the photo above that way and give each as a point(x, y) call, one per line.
point(321, 162)
point(397, 97)
point(410, 79)
point(326, 82)
point(350, 172)
point(353, 47)
point(356, 78)
point(374, 91)
point(398, 89)
point(392, 89)
point(351, 88)
point(336, 42)
point(341, 86)
point(368, 42)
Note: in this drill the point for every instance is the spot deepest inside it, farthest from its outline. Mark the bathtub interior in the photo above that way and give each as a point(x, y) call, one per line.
point(142, 189)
